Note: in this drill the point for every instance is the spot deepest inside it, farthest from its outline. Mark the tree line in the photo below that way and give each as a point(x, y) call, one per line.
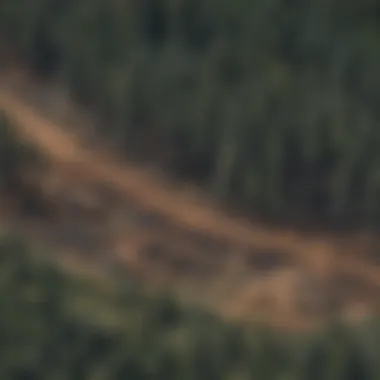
point(268, 104)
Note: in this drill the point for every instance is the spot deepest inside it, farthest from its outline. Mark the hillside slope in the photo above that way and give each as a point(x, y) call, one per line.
point(111, 209)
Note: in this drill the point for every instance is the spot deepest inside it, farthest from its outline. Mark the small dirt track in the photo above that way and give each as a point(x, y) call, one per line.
point(280, 275)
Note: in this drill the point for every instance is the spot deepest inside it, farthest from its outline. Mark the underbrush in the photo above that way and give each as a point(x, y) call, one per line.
point(54, 325)
point(16, 156)
point(21, 166)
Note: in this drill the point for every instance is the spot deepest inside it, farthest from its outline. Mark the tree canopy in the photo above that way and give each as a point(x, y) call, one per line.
point(272, 104)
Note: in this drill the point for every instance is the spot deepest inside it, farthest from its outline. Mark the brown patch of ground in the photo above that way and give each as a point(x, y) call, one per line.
point(110, 210)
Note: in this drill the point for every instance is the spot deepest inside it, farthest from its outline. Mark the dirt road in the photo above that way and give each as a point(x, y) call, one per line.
point(282, 275)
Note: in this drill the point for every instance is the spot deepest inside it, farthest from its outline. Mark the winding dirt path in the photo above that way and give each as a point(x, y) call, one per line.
point(65, 148)
point(321, 257)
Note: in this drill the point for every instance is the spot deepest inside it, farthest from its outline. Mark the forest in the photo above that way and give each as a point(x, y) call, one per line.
point(56, 324)
point(269, 105)
point(59, 324)
point(79, 329)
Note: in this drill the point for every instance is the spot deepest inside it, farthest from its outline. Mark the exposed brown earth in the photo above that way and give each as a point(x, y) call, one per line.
point(108, 209)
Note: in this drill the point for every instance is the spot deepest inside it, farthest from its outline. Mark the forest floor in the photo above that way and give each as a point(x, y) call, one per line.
point(110, 210)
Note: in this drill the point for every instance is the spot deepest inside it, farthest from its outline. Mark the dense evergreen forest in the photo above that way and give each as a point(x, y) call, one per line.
point(271, 104)
point(54, 325)
point(57, 325)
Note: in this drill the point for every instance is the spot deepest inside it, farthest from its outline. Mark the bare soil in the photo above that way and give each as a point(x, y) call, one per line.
point(113, 211)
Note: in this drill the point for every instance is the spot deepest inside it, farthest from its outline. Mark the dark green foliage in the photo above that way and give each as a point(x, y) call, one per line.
point(272, 103)
point(16, 158)
point(43, 336)
point(21, 165)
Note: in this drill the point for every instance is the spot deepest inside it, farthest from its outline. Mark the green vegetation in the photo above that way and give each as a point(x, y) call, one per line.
point(54, 325)
point(272, 103)
point(20, 166)
point(17, 158)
